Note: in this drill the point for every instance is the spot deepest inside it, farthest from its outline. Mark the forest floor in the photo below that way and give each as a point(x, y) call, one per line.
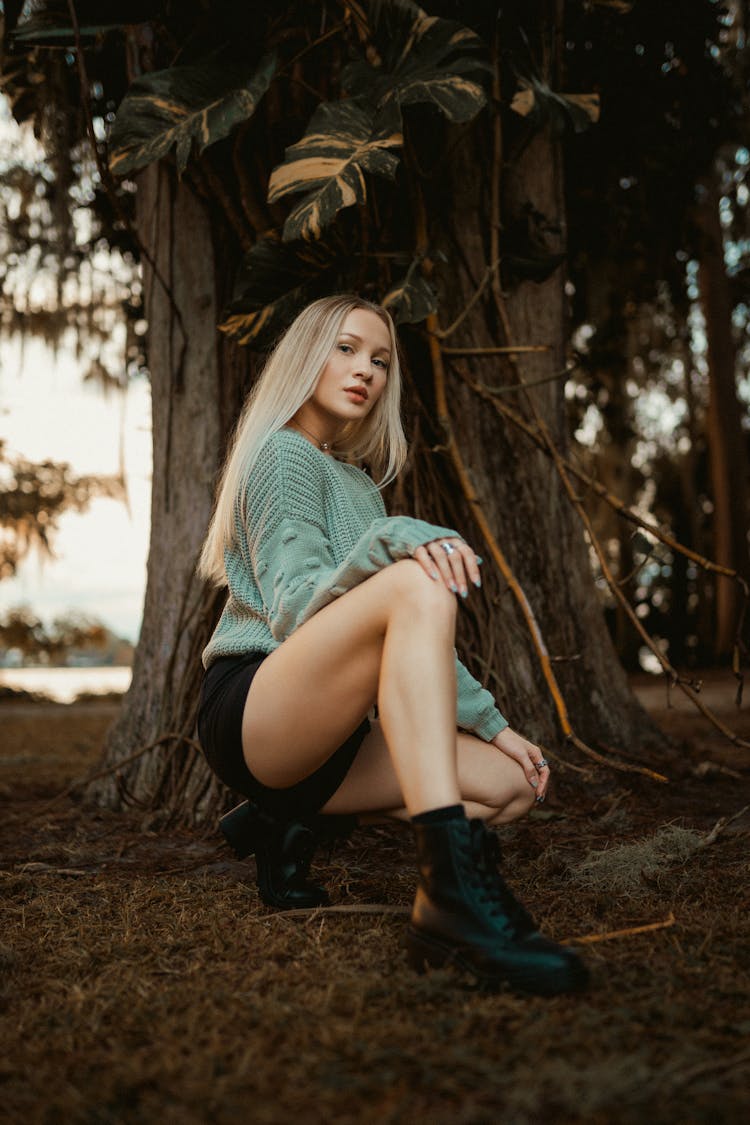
point(141, 980)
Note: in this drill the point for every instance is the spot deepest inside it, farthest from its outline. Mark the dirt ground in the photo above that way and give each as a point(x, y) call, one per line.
point(141, 980)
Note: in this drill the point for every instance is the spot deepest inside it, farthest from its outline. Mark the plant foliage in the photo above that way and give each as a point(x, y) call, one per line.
point(174, 108)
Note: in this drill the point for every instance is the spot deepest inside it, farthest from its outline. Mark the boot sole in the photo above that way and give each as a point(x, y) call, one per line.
point(424, 952)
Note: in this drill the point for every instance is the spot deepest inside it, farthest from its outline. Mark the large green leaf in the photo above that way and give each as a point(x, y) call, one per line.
point(343, 141)
point(411, 299)
point(198, 103)
point(49, 24)
point(277, 280)
point(531, 247)
point(420, 58)
point(538, 103)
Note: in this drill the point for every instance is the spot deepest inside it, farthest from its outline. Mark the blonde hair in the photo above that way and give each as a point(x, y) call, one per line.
point(288, 380)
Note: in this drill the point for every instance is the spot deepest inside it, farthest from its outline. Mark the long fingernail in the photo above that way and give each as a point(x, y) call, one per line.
point(454, 587)
point(540, 798)
point(534, 782)
point(464, 592)
point(434, 574)
point(477, 581)
point(479, 559)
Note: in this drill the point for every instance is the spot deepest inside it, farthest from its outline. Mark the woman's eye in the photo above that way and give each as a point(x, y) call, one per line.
point(345, 347)
point(381, 363)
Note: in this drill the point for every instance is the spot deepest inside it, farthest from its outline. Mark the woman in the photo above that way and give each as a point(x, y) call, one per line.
point(334, 607)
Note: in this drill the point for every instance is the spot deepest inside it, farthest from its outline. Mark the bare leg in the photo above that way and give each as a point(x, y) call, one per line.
point(391, 639)
point(492, 786)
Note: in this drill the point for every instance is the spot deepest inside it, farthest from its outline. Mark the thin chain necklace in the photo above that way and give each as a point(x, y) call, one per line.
point(321, 444)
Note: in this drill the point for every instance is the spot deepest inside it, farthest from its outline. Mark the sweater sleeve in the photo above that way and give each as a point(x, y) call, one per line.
point(476, 707)
point(290, 553)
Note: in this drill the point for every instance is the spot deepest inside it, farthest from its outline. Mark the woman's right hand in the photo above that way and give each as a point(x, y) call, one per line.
point(457, 568)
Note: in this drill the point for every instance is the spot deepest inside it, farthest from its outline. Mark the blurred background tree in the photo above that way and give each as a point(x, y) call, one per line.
point(452, 163)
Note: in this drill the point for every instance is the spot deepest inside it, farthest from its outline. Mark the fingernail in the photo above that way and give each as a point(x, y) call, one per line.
point(540, 798)
point(477, 581)
point(479, 559)
point(433, 574)
point(454, 587)
point(534, 782)
point(464, 592)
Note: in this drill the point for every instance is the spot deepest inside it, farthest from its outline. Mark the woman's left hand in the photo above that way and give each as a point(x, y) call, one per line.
point(529, 757)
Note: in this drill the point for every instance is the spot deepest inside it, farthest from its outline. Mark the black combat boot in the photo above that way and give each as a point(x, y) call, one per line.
point(283, 852)
point(465, 914)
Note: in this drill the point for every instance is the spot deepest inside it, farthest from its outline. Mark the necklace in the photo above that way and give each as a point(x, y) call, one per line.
point(321, 444)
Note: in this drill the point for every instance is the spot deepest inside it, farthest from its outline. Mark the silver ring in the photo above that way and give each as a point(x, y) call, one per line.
point(447, 548)
point(541, 763)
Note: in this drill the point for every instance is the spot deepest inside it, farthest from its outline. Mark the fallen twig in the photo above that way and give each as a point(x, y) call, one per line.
point(721, 826)
point(589, 939)
point(36, 868)
point(356, 908)
point(709, 1066)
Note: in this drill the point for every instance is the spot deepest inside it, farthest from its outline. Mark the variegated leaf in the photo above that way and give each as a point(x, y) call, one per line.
point(422, 58)
point(411, 299)
point(48, 23)
point(342, 142)
point(175, 108)
point(536, 101)
point(276, 281)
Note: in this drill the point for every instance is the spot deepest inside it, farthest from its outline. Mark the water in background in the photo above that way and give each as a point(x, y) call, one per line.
point(64, 684)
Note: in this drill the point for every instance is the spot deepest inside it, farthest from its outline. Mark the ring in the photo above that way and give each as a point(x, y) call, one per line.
point(541, 763)
point(447, 548)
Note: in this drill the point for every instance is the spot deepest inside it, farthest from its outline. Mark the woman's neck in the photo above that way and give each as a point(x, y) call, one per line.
point(325, 445)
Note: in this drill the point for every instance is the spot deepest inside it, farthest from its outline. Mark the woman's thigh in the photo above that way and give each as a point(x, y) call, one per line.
point(312, 691)
point(485, 776)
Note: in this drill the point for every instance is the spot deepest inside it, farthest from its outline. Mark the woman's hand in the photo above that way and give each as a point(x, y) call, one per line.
point(457, 567)
point(529, 757)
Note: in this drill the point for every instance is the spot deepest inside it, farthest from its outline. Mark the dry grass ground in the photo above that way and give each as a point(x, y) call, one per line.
point(142, 980)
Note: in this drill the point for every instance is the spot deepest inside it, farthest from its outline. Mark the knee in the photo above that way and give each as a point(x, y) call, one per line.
point(518, 799)
point(413, 587)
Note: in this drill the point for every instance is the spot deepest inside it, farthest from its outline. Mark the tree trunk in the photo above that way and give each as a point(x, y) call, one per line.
point(726, 448)
point(196, 387)
point(519, 487)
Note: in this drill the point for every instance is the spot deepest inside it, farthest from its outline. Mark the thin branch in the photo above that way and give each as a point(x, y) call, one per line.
point(443, 333)
point(614, 501)
point(500, 351)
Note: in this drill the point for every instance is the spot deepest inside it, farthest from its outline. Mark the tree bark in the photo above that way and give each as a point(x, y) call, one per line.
point(196, 387)
point(726, 441)
point(519, 487)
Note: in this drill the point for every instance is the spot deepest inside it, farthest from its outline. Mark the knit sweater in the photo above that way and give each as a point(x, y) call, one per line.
point(308, 528)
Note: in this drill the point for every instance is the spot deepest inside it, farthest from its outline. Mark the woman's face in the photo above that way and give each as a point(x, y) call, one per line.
point(354, 377)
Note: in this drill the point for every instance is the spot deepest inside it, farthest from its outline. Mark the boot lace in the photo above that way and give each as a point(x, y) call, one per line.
point(486, 856)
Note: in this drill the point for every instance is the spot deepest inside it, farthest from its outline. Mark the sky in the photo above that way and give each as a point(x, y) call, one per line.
point(47, 412)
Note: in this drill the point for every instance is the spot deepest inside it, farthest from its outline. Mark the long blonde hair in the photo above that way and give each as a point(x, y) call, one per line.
point(288, 380)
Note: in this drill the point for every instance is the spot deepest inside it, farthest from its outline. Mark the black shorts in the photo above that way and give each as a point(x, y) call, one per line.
point(222, 702)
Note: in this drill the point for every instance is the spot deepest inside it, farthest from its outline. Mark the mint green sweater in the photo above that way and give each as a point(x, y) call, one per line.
point(309, 528)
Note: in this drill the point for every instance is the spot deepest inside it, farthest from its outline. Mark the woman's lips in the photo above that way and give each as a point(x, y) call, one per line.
point(357, 396)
